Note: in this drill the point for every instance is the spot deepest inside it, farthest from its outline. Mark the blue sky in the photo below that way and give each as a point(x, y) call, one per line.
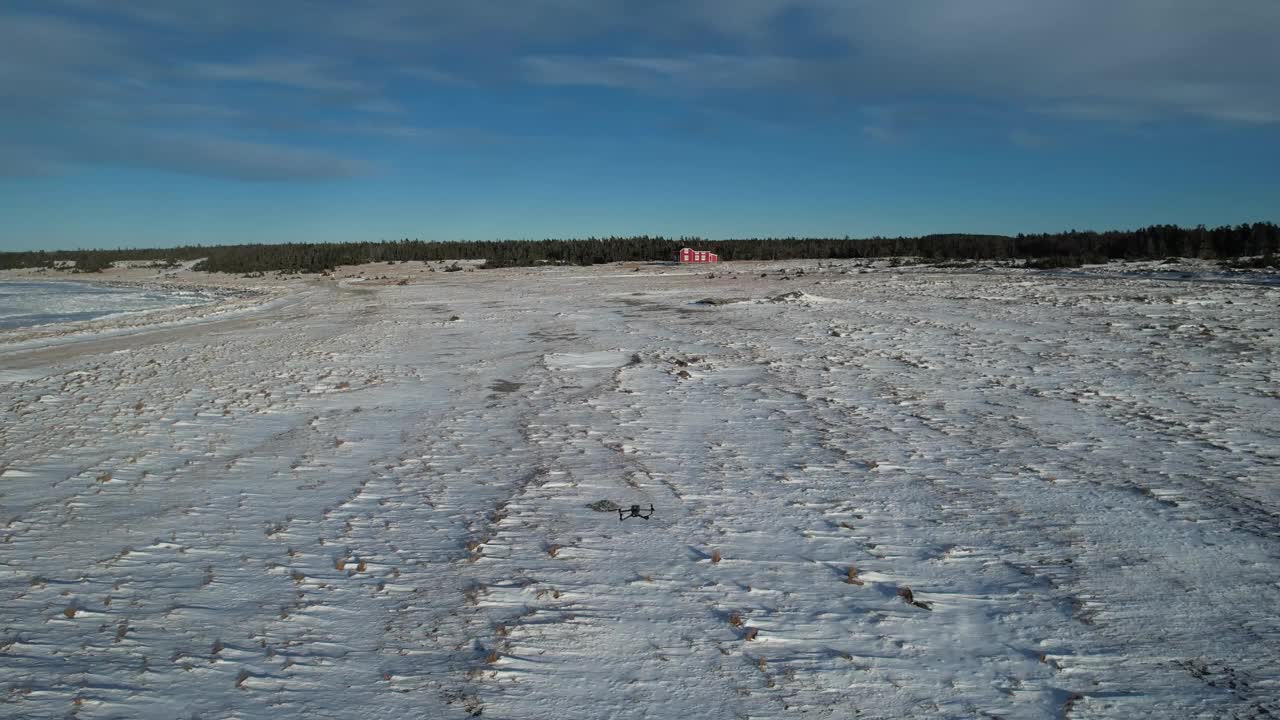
point(164, 122)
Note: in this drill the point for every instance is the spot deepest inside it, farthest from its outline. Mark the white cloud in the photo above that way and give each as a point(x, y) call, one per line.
point(433, 75)
point(198, 154)
point(302, 74)
point(118, 66)
point(690, 73)
point(1119, 57)
point(1028, 139)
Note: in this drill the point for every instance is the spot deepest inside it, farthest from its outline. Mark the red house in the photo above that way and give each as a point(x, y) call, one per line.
point(685, 255)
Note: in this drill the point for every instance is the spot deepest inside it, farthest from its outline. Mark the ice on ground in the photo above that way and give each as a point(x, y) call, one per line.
point(588, 360)
point(345, 505)
point(26, 303)
point(799, 297)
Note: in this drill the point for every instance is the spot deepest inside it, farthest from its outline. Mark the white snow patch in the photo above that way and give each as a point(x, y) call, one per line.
point(587, 360)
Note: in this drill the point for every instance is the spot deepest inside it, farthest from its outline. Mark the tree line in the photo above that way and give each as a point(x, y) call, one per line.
point(1071, 248)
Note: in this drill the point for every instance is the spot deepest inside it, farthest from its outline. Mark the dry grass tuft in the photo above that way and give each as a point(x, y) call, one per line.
point(501, 630)
point(851, 576)
point(553, 549)
point(241, 678)
point(360, 566)
point(491, 658)
point(908, 597)
point(138, 407)
point(104, 477)
point(338, 442)
point(217, 647)
point(69, 612)
point(735, 619)
point(715, 556)
point(339, 564)
point(472, 593)
point(750, 633)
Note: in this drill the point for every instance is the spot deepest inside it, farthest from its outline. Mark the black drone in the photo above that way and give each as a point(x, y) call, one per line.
point(634, 512)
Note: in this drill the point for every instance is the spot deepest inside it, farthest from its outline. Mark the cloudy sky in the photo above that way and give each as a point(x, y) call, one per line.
point(161, 122)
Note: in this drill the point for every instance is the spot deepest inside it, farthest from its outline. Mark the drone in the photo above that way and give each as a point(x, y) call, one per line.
point(634, 512)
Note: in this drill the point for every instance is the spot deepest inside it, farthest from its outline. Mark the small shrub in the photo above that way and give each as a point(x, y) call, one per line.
point(715, 556)
point(908, 597)
point(472, 594)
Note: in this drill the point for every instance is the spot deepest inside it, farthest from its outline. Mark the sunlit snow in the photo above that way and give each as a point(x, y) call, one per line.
point(346, 503)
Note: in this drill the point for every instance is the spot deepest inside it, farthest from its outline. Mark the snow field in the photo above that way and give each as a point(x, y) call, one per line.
point(356, 507)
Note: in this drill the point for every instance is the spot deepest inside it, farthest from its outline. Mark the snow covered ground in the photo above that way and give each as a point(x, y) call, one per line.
point(384, 501)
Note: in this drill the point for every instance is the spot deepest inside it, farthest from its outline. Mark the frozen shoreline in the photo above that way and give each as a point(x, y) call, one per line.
point(339, 500)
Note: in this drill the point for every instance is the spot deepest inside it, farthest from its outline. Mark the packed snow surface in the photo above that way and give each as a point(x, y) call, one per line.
point(885, 494)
